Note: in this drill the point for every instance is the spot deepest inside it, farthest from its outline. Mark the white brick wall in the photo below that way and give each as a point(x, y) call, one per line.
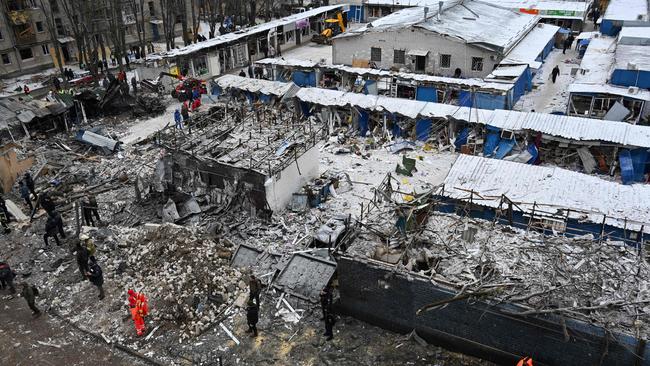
point(349, 48)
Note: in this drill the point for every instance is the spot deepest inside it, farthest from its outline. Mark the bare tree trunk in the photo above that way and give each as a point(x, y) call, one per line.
point(195, 24)
point(52, 30)
point(253, 12)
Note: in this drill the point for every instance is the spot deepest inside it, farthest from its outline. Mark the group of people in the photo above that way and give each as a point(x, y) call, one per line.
point(139, 308)
point(28, 292)
point(182, 116)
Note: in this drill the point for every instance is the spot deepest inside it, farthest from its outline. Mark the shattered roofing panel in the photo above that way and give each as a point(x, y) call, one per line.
point(230, 37)
point(640, 94)
point(306, 276)
point(253, 85)
point(474, 22)
point(550, 189)
point(597, 61)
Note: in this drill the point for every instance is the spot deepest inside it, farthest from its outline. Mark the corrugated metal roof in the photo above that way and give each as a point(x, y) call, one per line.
point(531, 46)
point(478, 83)
point(627, 10)
point(572, 128)
point(550, 189)
point(632, 55)
point(253, 85)
point(230, 37)
point(473, 22)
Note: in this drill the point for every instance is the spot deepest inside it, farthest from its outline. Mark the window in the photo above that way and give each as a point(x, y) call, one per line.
point(39, 27)
point(26, 54)
point(152, 9)
point(477, 63)
point(54, 6)
point(5, 59)
point(375, 54)
point(445, 61)
point(59, 27)
point(399, 57)
point(46, 49)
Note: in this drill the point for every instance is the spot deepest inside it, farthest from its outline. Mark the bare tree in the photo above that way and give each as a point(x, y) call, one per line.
point(116, 31)
point(137, 7)
point(49, 21)
point(168, 12)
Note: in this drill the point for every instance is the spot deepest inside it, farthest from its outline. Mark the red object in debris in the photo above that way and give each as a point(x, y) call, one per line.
point(526, 361)
point(196, 104)
point(26, 89)
point(139, 308)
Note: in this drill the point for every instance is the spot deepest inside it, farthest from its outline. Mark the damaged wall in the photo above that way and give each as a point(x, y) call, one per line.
point(11, 167)
point(380, 296)
point(280, 188)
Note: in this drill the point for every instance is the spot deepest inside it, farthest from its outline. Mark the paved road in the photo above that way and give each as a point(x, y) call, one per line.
point(20, 334)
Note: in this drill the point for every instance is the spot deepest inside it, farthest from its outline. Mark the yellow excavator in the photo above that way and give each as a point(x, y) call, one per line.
point(333, 27)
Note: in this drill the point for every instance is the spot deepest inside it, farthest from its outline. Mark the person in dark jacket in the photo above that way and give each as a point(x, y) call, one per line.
point(252, 317)
point(242, 73)
point(566, 44)
point(326, 301)
point(44, 201)
point(5, 216)
point(96, 276)
point(53, 226)
point(329, 325)
point(24, 194)
point(89, 209)
point(254, 288)
point(29, 182)
point(29, 293)
point(7, 277)
point(82, 260)
point(134, 84)
point(555, 73)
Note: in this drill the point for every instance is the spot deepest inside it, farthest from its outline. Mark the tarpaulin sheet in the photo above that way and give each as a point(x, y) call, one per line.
point(627, 167)
point(523, 84)
point(504, 147)
point(363, 122)
point(303, 79)
point(422, 129)
point(426, 94)
point(492, 139)
point(608, 27)
point(489, 101)
point(305, 107)
point(462, 138)
point(639, 158)
point(532, 149)
point(465, 98)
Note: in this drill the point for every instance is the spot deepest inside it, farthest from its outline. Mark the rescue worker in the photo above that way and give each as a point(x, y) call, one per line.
point(326, 301)
point(178, 119)
point(7, 277)
point(29, 293)
point(26, 89)
point(252, 317)
point(52, 228)
point(96, 276)
point(555, 73)
point(82, 256)
point(24, 194)
point(43, 200)
point(29, 182)
point(134, 84)
point(89, 209)
point(329, 324)
point(139, 309)
point(255, 288)
point(526, 361)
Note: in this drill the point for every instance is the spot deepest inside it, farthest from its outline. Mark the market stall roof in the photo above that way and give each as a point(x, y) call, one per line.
point(531, 46)
point(254, 85)
point(548, 8)
point(597, 61)
point(234, 36)
point(477, 83)
point(571, 128)
point(640, 94)
point(473, 22)
point(632, 10)
point(634, 56)
point(549, 189)
point(634, 36)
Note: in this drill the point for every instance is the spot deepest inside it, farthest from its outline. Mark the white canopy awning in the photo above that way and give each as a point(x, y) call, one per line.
point(417, 53)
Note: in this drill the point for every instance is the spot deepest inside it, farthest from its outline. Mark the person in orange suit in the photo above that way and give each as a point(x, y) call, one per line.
point(139, 309)
point(526, 361)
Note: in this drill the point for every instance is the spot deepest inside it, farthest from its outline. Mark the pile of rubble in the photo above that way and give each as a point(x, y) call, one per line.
point(602, 282)
point(187, 278)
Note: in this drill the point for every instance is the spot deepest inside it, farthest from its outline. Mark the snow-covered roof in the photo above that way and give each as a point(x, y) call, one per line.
point(547, 8)
point(473, 22)
point(549, 189)
point(508, 71)
point(634, 36)
point(633, 56)
point(572, 128)
point(636, 93)
point(531, 46)
point(627, 10)
point(476, 83)
point(597, 61)
point(254, 85)
point(402, 2)
point(230, 37)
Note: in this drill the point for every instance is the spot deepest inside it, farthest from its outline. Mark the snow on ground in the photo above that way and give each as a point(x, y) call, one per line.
point(310, 51)
point(547, 96)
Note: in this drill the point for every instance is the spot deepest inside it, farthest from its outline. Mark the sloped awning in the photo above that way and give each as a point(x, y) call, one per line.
point(65, 40)
point(417, 53)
